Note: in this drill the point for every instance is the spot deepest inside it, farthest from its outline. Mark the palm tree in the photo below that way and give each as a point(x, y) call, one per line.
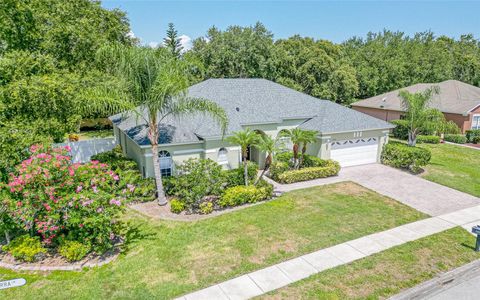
point(268, 145)
point(417, 113)
point(295, 135)
point(307, 137)
point(155, 85)
point(244, 139)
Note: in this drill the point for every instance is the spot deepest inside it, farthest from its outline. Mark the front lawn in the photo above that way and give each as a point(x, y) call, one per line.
point(454, 166)
point(168, 259)
point(385, 274)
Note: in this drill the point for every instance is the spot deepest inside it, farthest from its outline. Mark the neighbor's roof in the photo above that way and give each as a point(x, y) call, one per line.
point(454, 97)
point(247, 102)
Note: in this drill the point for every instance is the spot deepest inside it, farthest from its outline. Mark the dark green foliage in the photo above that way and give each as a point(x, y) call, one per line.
point(196, 179)
point(400, 155)
point(329, 168)
point(473, 136)
point(279, 167)
point(73, 250)
point(401, 129)
point(25, 248)
point(308, 160)
point(235, 176)
point(144, 189)
point(455, 138)
point(428, 139)
point(172, 41)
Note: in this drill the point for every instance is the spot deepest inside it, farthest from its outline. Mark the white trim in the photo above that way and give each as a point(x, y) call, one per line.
point(188, 151)
point(478, 122)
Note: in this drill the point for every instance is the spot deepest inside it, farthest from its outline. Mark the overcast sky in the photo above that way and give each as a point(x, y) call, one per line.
point(332, 20)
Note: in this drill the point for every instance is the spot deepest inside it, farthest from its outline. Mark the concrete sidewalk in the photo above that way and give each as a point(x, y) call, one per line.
point(279, 275)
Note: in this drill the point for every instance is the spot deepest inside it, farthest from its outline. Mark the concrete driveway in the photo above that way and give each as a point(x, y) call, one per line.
point(426, 196)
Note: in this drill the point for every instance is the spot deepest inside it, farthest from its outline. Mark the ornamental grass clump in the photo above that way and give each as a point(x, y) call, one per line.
point(50, 197)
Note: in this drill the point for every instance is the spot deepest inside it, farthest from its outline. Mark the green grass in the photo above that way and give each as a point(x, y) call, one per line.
point(168, 259)
point(95, 134)
point(387, 273)
point(454, 166)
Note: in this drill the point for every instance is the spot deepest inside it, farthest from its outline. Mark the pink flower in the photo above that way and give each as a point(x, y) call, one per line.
point(79, 189)
point(115, 202)
point(68, 148)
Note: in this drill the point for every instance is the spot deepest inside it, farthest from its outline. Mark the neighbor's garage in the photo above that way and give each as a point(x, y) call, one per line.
point(355, 151)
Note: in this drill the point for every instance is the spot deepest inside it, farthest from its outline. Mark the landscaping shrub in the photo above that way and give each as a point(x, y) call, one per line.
point(235, 177)
point(176, 206)
point(206, 208)
point(25, 248)
point(141, 189)
point(330, 168)
point(401, 129)
point(308, 160)
point(277, 168)
point(473, 136)
point(241, 194)
point(428, 139)
point(400, 155)
point(196, 179)
point(455, 138)
point(55, 199)
point(73, 250)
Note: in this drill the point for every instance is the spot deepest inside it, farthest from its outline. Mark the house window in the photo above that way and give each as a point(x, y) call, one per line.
point(222, 156)
point(166, 163)
point(476, 122)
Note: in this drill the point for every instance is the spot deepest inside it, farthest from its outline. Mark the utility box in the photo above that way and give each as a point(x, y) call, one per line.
point(476, 230)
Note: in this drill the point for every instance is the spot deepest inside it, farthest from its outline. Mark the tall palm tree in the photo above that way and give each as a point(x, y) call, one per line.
point(268, 145)
point(244, 139)
point(417, 113)
point(295, 135)
point(307, 137)
point(155, 85)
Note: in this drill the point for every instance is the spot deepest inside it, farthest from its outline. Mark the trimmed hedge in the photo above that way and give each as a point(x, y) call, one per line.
point(428, 139)
point(455, 138)
point(401, 129)
point(241, 194)
point(329, 168)
point(399, 155)
point(473, 136)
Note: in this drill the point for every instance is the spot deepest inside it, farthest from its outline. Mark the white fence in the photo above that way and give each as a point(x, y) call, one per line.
point(83, 150)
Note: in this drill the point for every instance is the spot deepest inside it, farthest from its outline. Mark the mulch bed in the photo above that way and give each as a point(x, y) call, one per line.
point(52, 262)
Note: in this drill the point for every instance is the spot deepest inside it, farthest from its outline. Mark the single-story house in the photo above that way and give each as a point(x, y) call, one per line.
point(459, 102)
point(345, 135)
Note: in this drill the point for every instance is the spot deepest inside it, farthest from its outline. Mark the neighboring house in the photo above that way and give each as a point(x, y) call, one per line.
point(345, 135)
point(459, 102)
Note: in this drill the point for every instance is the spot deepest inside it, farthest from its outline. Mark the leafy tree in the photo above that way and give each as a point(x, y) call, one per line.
point(156, 83)
point(244, 139)
point(238, 52)
point(172, 41)
point(418, 114)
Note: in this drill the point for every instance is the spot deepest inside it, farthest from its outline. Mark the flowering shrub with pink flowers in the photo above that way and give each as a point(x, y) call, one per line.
point(50, 197)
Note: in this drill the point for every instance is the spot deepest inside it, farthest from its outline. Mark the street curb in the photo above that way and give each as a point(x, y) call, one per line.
point(441, 282)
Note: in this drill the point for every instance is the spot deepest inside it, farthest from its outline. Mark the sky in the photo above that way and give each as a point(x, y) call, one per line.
point(332, 20)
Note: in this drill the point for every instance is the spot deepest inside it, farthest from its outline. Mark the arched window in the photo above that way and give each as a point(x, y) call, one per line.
point(222, 156)
point(166, 163)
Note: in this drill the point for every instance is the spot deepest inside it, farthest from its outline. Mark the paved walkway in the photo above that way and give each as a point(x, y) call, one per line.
point(423, 195)
point(279, 275)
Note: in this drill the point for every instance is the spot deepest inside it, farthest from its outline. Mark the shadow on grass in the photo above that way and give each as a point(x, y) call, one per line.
point(134, 234)
point(468, 246)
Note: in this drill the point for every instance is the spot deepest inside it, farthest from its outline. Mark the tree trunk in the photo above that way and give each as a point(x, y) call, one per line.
point(268, 162)
point(161, 198)
point(304, 149)
point(412, 139)
point(245, 169)
point(295, 155)
point(7, 237)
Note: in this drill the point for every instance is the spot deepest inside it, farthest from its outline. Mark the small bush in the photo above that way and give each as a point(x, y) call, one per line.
point(241, 194)
point(73, 250)
point(401, 129)
point(307, 161)
point(73, 137)
point(235, 177)
point(400, 155)
point(473, 136)
point(455, 138)
point(206, 208)
point(428, 139)
point(330, 168)
point(25, 248)
point(176, 206)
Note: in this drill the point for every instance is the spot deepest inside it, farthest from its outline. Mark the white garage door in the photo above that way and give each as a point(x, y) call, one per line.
point(355, 152)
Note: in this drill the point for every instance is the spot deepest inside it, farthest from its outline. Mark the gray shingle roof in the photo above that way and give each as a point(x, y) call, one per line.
point(454, 97)
point(253, 101)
